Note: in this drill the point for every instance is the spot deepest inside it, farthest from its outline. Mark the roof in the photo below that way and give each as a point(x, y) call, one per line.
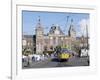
point(54, 28)
point(27, 36)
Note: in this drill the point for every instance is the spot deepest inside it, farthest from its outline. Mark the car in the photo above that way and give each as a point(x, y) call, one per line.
point(24, 58)
point(84, 52)
point(36, 57)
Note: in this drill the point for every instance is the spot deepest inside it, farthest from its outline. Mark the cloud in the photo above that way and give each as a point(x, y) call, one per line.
point(79, 34)
point(83, 24)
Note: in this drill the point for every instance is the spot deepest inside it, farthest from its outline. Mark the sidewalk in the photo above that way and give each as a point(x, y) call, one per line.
point(35, 63)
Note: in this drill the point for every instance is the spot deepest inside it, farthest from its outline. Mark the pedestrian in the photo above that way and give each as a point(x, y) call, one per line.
point(88, 62)
point(28, 60)
point(79, 53)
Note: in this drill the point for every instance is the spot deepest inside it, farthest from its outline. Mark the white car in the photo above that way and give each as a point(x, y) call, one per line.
point(84, 52)
point(37, 57)
point(24, 58)
point(34, 57)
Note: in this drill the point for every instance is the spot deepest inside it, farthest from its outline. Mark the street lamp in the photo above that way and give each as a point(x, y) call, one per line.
point(87, 35)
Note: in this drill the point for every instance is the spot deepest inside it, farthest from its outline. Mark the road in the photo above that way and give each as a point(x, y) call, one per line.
point(49, 63)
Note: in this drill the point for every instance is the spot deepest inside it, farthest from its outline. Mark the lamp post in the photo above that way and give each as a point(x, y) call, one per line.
point(87, 35)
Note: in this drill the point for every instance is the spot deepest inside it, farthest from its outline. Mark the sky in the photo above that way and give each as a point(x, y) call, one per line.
point(30, 20)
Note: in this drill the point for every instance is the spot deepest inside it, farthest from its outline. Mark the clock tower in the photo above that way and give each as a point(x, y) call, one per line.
point(39, 37)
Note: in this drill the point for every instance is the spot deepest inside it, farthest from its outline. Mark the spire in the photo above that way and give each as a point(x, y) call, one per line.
point(71, 20)
point(71, 23)
point(39, 25)
point(39, 21)
point(72, 31)
point(71, 26)
point(67, 18)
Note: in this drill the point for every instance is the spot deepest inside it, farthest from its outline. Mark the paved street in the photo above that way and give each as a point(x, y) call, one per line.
point(48, 63)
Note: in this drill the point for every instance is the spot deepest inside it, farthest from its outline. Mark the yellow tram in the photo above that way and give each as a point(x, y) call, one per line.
point(64, 55)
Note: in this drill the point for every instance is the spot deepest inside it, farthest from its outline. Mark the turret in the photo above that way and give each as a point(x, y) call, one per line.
point(72, 32)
